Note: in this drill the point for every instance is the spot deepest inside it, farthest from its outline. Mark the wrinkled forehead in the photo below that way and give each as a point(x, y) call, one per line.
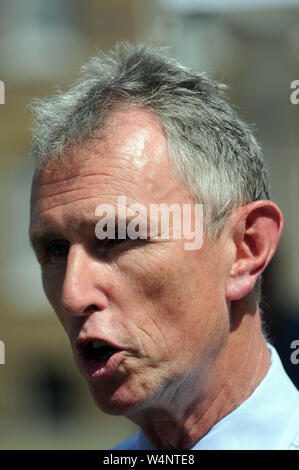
point(131, 158)
point(132, 136)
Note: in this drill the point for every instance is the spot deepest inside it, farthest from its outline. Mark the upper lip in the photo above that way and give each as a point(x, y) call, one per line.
point(81, 343)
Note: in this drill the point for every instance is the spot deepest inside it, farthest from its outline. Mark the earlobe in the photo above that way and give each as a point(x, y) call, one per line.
point(255, 232)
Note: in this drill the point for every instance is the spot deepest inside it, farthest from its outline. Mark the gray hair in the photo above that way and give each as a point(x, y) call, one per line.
point(215, 154)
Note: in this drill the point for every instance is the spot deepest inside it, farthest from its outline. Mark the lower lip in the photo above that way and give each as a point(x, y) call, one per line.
point(101, 369)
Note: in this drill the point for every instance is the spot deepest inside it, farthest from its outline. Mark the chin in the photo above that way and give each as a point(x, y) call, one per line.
point(116, 401)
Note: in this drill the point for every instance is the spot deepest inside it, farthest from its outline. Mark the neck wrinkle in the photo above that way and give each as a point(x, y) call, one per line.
point(233, 377)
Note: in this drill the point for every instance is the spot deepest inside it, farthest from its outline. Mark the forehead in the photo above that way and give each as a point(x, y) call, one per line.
point(130, 159)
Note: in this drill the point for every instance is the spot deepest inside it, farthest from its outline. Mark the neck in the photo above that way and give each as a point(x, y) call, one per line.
point(232, 377)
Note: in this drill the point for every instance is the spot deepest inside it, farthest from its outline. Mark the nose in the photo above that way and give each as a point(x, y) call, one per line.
point(82, 291)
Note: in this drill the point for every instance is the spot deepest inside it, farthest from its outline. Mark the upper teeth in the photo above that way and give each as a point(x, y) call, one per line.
point(97, 343)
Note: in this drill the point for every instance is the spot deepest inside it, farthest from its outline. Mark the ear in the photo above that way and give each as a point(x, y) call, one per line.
point(254, 232)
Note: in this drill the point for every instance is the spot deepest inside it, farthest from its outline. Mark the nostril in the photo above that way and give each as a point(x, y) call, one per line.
point(91, 309)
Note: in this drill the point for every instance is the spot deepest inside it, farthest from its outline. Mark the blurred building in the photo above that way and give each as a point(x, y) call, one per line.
point(44, 402)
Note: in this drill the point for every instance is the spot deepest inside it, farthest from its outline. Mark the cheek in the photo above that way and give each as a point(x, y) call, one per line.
point(178, 286)
point(52, 280)
point(52, 283)
point(151, 282)
point(186, 300)
point(164, 296)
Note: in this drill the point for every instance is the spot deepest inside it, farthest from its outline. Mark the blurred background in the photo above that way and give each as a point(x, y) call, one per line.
point(250, 45)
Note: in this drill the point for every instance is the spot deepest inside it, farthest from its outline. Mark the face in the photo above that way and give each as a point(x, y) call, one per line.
point(145, 318)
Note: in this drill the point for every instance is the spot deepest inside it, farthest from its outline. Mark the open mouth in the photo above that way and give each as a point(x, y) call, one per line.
point(96, 350)
point(97, 356)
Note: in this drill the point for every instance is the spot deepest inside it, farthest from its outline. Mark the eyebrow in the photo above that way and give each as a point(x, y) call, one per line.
point(39, 236)
point(47, 229)
point(43, 232)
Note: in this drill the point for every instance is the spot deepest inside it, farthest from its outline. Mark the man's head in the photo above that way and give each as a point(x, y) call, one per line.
point(215, 154)
point(139, 125)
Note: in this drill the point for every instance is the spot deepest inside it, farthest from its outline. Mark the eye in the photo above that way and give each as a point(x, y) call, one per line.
point(107, 245)
point(57, 251)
